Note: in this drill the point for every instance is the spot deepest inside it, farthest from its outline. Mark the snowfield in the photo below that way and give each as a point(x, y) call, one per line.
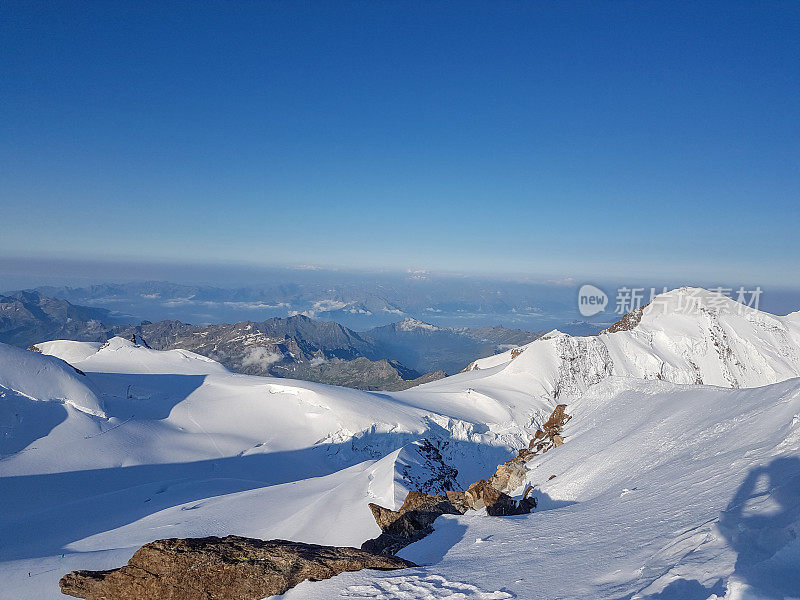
point(679, 478)
point(661, 491)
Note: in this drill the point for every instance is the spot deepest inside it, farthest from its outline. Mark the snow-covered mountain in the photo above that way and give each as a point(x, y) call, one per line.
point(294, 347)
point(668, 485)
point(661, 491)
point(687, 335)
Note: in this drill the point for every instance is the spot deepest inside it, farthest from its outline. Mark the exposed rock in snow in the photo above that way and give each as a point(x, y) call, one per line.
point(230, 568)
point(483, 494)
point(412, 522)
point(549, 436)
point(493, 493)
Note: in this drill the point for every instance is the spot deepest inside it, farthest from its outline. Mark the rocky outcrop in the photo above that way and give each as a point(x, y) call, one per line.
point(498, 504)
point(482, 494)
point(512, 473)
point(627, 322)
point(412, 522)
point(213, 568)
point(415, 518)
point(549, 436)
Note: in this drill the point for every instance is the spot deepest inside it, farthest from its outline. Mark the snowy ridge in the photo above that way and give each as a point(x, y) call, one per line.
point(68, 350)
point(125, 356)
point(46, 378)
point(687, 335)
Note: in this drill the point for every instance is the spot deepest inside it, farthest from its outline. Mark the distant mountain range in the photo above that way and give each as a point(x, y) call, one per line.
point(422, 345)
point(391, 357)
point(355, 302)
point(28, 317)
point(295, 347)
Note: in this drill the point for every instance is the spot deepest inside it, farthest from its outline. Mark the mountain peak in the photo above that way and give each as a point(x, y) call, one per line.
point(412, 324)
point(685, 336)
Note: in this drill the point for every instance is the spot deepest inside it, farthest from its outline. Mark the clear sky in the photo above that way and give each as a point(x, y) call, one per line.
point(558, 138)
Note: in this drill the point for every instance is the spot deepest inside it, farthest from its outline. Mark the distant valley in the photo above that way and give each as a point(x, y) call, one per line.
point(391, 357)
point(355, 301)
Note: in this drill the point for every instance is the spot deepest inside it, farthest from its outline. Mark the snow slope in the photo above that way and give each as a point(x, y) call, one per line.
point(688, 335)
point(46, 378)
point(185, 447)
point(119, 355)
point(69, 350)
point(665, 487)
point(661, 491)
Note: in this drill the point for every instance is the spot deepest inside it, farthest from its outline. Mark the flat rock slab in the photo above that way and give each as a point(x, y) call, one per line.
point(213, 568)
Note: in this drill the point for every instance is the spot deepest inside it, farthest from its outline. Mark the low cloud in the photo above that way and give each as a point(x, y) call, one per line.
point(260, 356)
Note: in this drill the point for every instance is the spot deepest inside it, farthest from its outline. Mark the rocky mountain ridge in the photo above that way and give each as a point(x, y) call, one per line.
point(298, 347)
point(27, 317)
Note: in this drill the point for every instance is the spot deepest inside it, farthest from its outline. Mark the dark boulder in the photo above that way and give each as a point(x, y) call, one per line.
point(412, 522)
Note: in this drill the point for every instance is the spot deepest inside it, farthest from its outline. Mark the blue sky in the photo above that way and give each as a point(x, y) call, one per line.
point(596, 139)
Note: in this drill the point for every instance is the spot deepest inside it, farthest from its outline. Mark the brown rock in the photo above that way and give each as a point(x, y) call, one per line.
point(412, 522)
point(457, 499)
point(510, 475)
point(558, 418)
point(213, 568)
point(384, 517)
point(627, 322)
point(525, 453)
point(549, 436)
point(482, 494)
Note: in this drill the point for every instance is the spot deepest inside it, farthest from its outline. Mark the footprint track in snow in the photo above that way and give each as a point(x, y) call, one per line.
point(416, 587)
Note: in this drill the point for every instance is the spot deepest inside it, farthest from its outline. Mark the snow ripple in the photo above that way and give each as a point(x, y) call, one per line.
point(416, 587)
